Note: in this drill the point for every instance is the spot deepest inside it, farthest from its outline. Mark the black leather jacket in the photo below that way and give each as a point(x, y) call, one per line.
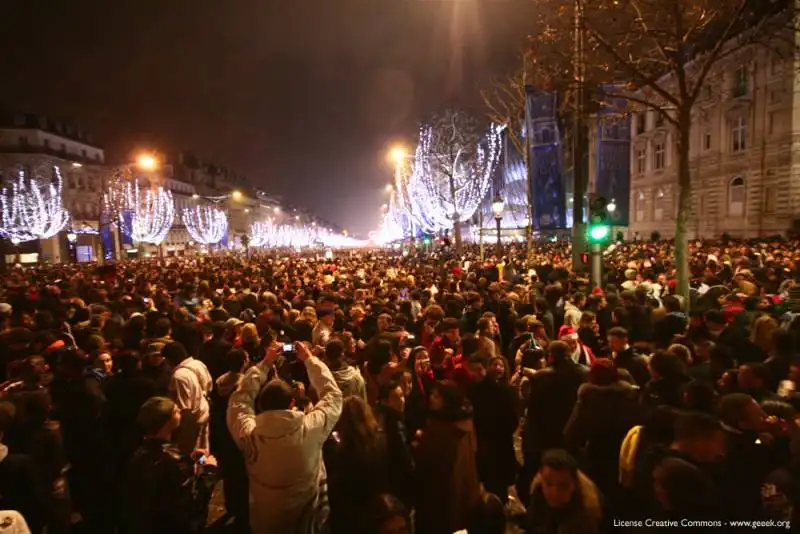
point(164, 492)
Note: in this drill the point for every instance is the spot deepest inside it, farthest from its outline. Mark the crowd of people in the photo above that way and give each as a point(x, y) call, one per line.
point(379, 393)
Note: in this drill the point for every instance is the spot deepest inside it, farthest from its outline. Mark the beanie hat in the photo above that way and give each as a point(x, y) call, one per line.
point(567, 332)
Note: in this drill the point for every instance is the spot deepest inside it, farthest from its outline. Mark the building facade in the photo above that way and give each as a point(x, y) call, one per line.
point(745, 169)
point(38, 145)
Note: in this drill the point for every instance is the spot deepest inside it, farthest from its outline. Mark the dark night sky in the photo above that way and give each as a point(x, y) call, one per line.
point(301, 96)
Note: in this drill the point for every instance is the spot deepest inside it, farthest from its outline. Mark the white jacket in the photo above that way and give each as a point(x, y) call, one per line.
point(283, 448)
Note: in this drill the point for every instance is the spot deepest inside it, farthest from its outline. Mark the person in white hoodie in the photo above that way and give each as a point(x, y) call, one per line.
point(283, 446)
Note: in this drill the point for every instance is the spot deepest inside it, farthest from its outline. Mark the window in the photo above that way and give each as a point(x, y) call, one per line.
point(63, 147)
point(46, 143)
point(641, 160)
point(770, 198)
point(659, 119)
point(707, 141)
point(658, 155)
point(740, 81)
point(736, 197)
point(83, 152)
point(659, 201)
point(84, 253)
point(640, 207)
point(701, 206)
point(775, 96)
point(771, 118)
point(640, 122)
point(739, 134)
point(776, 65)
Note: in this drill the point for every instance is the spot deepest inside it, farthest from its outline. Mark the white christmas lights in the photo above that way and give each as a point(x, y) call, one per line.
point(152, 213)
point(206, 224)
point(31, 209)
point(450, 179)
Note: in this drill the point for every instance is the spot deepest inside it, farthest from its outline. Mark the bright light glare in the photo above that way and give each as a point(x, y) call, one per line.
point(397, 154)
point(147, 162)
point(236, 195)
point(599, 233)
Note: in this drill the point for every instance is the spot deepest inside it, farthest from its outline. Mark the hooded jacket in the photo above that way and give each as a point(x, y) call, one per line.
point(283, 451)
point(350, 381)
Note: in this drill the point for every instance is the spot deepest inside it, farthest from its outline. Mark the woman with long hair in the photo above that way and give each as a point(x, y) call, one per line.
point(251, 343)
point(357, 464)
point(416, 410)
point(447, 475)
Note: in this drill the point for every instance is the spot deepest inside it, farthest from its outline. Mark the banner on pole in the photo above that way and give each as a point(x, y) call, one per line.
point(547, 160)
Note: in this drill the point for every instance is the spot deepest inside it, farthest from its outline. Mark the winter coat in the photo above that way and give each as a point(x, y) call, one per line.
point(350, 381)
point(553, 393)
point(283, 451)
point(21, 488)
point(495, 416)
point(582, 515)
point(164, 493)
point(401, 462)
point(600, 420)
point(448, 484)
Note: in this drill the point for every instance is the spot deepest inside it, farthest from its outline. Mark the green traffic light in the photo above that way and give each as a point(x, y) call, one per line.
point(599, 232)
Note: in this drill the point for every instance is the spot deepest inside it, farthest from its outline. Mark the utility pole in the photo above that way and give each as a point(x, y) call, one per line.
point(528, 158)
point(580, 139)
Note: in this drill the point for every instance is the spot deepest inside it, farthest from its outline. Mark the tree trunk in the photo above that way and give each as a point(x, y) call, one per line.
point(456, 215)
point(684, 202)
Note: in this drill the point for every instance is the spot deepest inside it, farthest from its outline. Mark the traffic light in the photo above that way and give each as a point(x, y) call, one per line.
point(599, 224)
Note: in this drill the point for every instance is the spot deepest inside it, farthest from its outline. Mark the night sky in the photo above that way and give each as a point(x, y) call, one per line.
point(304, 97)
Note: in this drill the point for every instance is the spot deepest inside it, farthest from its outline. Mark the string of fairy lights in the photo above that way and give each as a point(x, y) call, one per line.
point(33, 208)
point(446, 185)
point(206, 224)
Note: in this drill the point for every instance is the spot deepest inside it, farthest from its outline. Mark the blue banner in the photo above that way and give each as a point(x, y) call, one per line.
point(127, 229)
point(547, 160)
point(106, 238)
point(613, 171)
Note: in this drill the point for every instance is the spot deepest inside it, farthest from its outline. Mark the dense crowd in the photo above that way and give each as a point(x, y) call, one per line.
point(387, 394)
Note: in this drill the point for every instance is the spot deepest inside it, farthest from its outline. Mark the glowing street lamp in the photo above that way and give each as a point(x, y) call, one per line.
point(236, 195)
point(195, 196)
point(397, 155)
point(277, 210)
point(146, 162)
point(389, 188)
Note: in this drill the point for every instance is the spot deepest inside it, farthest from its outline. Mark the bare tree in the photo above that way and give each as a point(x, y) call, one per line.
point(453, 168)
point(665, 53)
point(505, 103)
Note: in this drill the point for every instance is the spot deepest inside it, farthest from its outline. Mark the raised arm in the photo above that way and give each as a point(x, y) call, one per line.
point(321, 420)
point(241, 415)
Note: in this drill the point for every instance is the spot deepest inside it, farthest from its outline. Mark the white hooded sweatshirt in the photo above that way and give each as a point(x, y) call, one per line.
point(283, 448)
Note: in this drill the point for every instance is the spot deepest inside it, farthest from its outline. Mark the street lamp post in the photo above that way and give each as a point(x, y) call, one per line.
point(497, 209)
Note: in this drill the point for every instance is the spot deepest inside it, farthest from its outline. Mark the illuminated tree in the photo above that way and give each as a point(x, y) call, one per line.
point(661, 56)
point(206, 224)
point(32, 208)
point(453, 167)
point(152, 213)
